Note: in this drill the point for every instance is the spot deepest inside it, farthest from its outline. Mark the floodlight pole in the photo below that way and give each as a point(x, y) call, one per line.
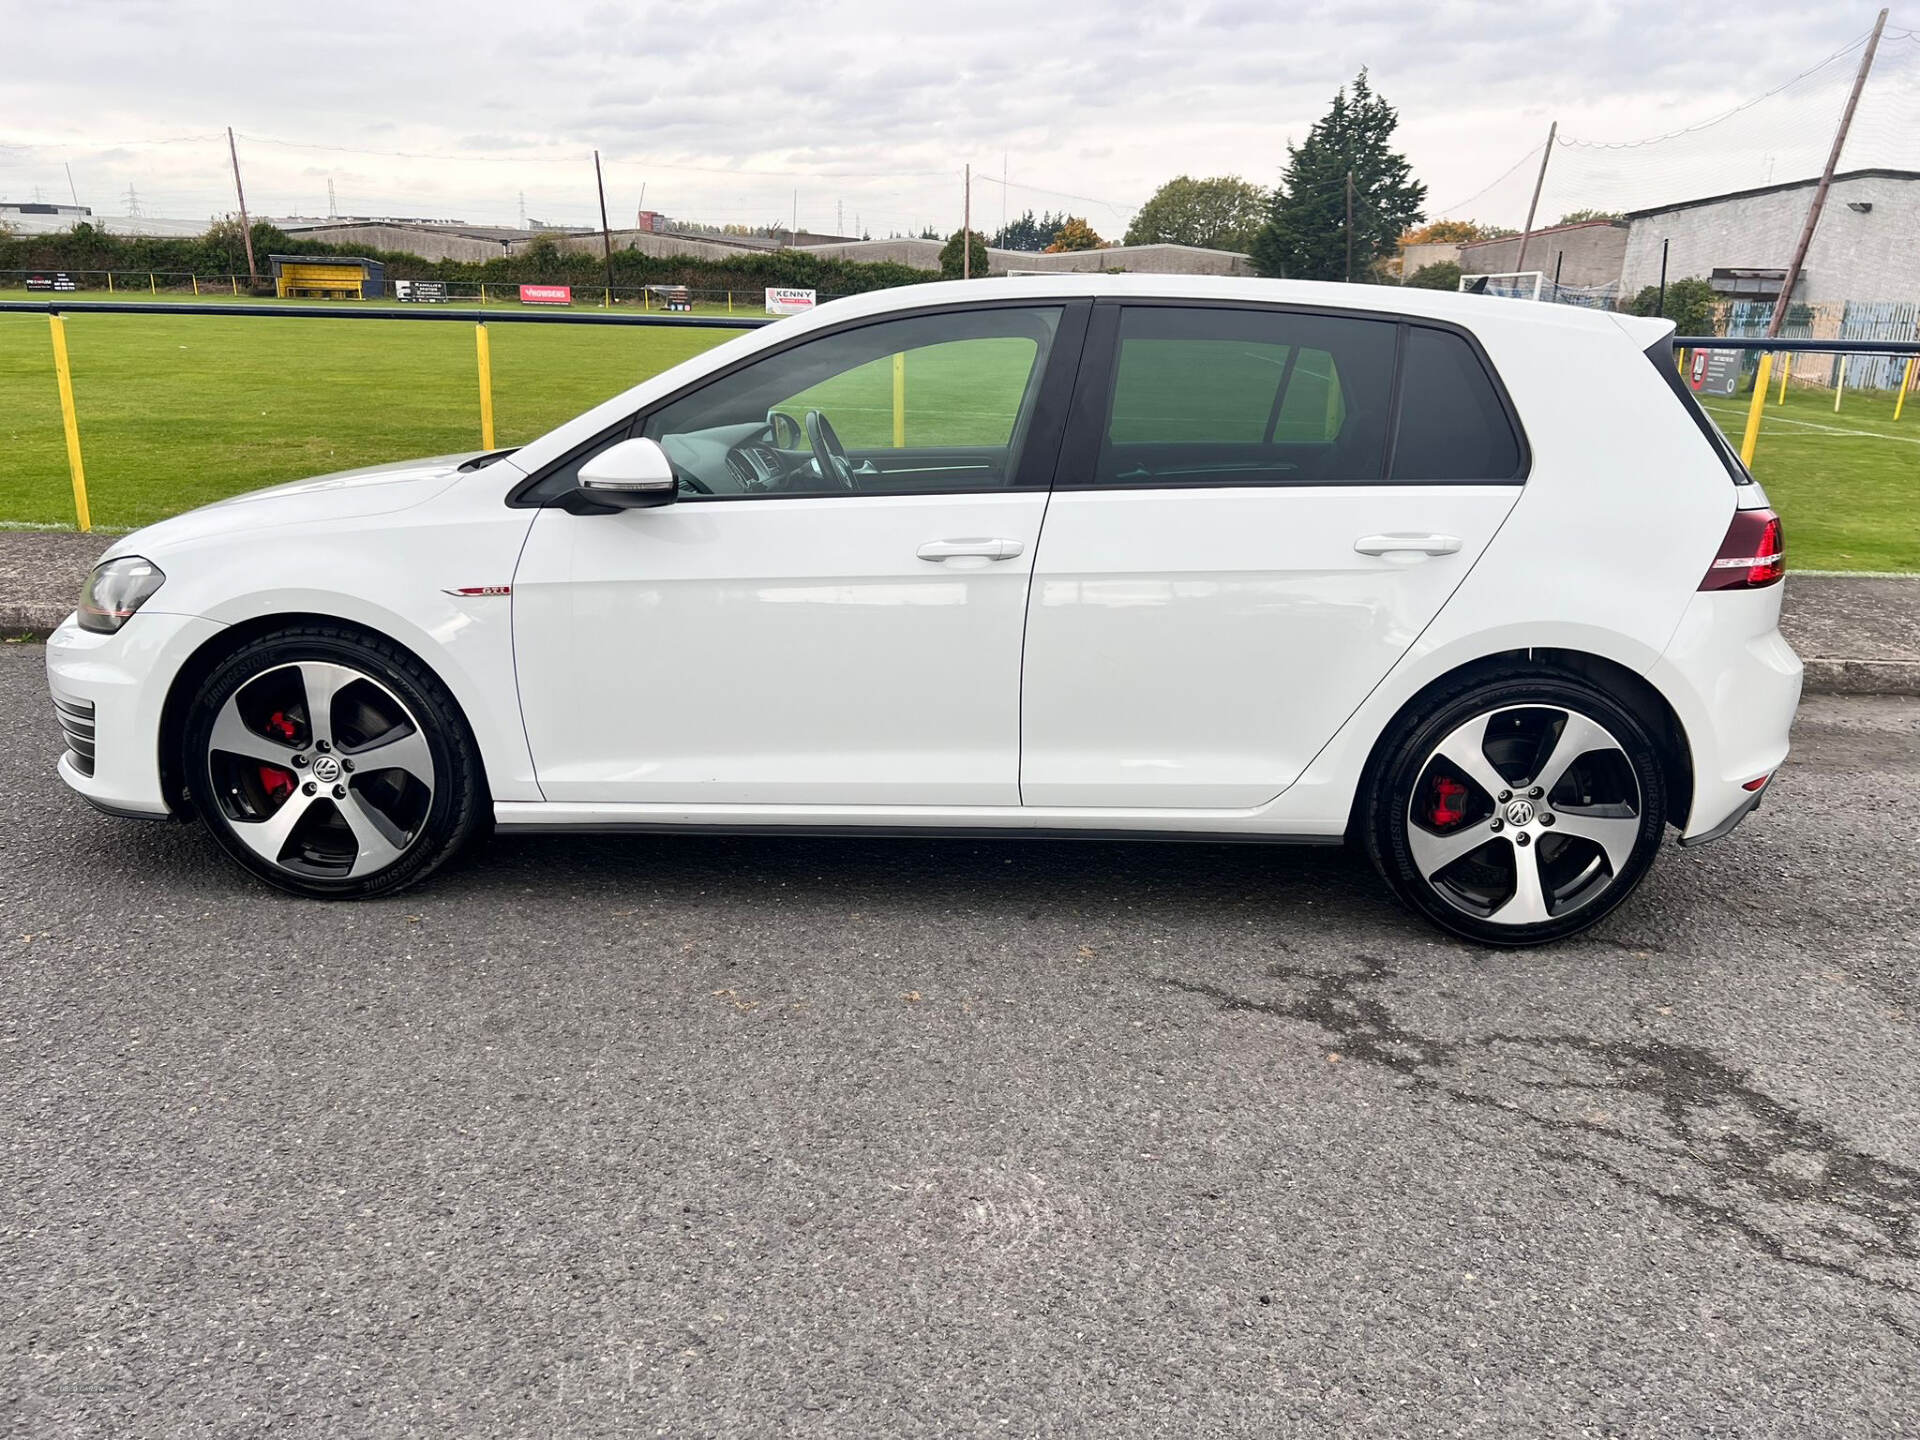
point(1534, 204)
point(1826, 181)
point(606, 235)
point(1349, 227)
point(966, 224)
point(246, 228)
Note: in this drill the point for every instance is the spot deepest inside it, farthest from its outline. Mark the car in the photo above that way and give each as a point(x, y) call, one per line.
point(1471, 584)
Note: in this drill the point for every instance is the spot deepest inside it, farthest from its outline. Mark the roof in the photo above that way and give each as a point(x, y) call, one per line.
point(1543, 230)
point(1870, 174)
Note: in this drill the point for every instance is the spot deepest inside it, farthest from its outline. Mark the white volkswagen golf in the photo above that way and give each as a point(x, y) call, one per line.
point(1470, 583)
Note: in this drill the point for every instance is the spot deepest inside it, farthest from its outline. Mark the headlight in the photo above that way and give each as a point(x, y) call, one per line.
point(116, 589)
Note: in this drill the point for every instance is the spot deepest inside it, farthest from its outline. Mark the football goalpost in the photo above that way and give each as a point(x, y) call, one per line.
point(1514, 284)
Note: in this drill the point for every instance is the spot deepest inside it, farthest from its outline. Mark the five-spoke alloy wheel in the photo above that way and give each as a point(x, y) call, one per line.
point(331, 764)
point(1518, 811)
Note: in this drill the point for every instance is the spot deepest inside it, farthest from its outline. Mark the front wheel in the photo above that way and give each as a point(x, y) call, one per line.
point(1517, 811)
point(332, 764)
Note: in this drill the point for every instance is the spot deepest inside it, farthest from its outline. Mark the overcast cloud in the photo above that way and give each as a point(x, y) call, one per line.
point(723, 111)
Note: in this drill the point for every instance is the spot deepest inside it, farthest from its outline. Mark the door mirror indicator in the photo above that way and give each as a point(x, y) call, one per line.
point(631, 475)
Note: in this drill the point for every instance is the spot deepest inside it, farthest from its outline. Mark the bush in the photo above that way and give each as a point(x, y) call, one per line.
point(1691, 304)
point(1441, 275)
point(950, 255)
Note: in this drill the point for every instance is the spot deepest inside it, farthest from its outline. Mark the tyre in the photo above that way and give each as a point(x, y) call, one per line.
point(1516, 811)
point(332, 764)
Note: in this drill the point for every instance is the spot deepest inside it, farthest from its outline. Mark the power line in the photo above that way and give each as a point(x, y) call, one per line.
point(1504, 175)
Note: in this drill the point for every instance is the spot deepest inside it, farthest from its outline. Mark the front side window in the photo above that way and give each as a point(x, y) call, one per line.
point(926, 404)
point(1207, 396)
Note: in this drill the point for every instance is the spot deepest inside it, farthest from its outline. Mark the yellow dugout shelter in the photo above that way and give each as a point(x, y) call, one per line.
point(328, 277)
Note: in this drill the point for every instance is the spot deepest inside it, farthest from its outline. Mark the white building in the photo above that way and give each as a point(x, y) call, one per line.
point(1864, 248)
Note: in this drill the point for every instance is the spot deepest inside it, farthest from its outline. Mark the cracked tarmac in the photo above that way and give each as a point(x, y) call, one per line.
point(723, 1137)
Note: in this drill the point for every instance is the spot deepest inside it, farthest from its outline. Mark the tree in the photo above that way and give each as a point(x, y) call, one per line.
point(1444, 232)
point(1305, 236)
point(1576, 217)
point(1027, 233)
point(1691, 304)
point(1075, 234)
point(1221, 213)
point(950, 254)
point(1441, 275)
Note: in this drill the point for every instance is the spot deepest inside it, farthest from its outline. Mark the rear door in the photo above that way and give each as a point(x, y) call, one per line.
point(1257, 511)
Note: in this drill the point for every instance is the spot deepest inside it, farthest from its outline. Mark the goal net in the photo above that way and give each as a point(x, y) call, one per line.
point(1514, 284)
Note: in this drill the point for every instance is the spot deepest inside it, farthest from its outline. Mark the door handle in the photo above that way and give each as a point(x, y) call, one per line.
point(1407, 544)
point(999, 548)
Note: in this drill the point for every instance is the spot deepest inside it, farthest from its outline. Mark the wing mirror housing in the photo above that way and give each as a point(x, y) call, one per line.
point(632, 475)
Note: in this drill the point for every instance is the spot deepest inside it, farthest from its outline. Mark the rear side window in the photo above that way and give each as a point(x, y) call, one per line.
point(1206, 396)
point(1452, 424)
point(1667, 364)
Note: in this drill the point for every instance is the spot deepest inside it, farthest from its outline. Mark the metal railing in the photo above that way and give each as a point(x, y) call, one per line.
point(1768, 347)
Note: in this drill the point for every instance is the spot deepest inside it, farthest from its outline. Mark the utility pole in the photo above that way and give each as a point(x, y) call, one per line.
point(1349, 227)
point(966, 224)
point(1826, 180)
point(1534, 204)
point(606, 235)
point(71, 188)
point(333, 205)
point(1660, 307)
point(246, 226)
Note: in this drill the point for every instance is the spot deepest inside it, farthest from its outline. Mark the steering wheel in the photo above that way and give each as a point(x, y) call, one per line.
point(828, 453)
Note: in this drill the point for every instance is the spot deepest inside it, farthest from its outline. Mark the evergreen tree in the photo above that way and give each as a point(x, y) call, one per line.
point(1305, 237)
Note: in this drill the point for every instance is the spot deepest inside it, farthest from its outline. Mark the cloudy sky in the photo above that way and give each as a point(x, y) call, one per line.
point(727, 111)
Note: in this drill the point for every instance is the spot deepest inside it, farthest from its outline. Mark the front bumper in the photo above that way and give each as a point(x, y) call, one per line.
point(119, 684)
point(1734, 682)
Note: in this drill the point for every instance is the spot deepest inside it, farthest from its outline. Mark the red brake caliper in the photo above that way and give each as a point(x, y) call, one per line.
point(1449, 802)
point(277, 782)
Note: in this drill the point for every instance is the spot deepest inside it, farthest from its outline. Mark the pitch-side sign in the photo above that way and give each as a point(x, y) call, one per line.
point(1715, 372)
point(424, 292)
point(790, 302)
point(546, 294)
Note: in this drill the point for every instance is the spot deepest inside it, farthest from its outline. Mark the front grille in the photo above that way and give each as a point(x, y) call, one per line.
point(76, 723)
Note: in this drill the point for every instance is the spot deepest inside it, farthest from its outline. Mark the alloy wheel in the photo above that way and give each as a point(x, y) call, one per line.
point(321, 770)
point(1524, 814)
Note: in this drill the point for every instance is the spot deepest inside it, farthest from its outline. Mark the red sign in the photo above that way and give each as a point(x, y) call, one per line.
point(546, 294)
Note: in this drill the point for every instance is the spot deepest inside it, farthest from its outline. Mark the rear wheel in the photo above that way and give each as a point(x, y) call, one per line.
point(1517, 811)
point(332, 764)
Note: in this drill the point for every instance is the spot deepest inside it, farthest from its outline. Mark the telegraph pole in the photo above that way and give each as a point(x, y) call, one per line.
point(246, 228)
point(606, 235)
point(1826, 180)
point(966, 224)
point(1534, 204)
point(1349, 227)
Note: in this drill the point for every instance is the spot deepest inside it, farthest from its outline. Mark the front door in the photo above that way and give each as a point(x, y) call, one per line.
point(1258, 511)
point(831, 611)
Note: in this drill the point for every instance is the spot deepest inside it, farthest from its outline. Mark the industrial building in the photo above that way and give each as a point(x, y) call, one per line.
point(1866, 248)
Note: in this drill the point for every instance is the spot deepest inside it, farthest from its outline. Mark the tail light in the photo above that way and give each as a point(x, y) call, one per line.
point(1753, 554)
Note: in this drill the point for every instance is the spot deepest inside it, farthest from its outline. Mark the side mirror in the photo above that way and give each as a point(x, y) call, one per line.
point(632, 475)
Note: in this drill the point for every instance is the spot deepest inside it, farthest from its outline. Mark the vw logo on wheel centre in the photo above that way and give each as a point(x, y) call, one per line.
point(326, 770)
point(1520, 812)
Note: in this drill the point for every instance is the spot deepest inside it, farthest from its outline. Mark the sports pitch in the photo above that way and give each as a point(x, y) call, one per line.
point(176, 412)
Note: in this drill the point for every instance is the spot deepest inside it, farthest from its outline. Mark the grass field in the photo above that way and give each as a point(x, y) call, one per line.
point(177, 412)
point(1847, 486)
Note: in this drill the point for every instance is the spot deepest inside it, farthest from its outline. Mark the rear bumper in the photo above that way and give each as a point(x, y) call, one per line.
point(119, 683)
point(1734, 682)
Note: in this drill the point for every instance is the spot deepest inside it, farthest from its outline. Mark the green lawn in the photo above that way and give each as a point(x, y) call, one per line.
point(1847, 486)
point(178, 412)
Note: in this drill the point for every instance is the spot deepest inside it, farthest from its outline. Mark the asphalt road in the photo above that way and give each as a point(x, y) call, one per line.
point(727, 1137)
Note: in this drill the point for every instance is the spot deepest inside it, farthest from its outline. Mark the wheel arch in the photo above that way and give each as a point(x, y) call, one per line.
point(1633, 691)
point(201, 664)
